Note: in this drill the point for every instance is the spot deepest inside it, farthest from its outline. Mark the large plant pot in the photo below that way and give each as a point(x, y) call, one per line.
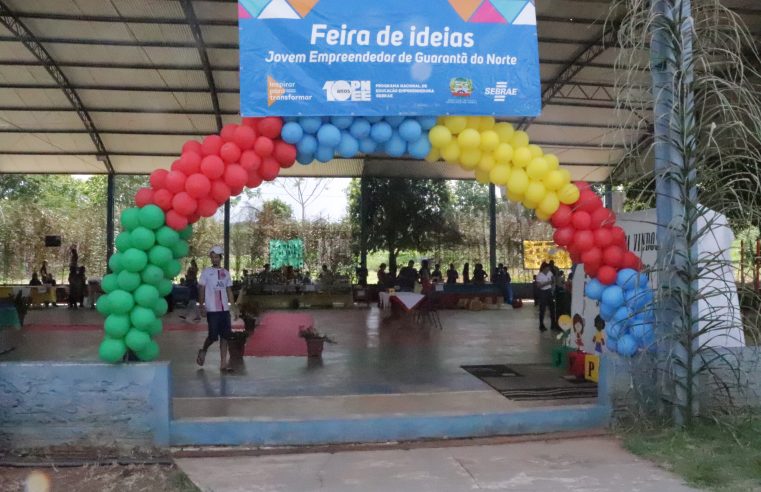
point(314, 347)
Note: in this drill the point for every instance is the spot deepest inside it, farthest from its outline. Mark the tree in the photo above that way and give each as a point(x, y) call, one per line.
point(402, 214)
point(304, 191)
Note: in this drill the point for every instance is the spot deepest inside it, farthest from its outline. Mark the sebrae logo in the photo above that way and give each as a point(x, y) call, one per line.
point(517, 12)
point(275, 9)
point(461, 87)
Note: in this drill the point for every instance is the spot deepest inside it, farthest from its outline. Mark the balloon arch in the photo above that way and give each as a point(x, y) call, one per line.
point(207, 173)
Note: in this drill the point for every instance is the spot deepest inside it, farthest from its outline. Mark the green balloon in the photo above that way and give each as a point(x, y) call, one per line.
point(115, 263)
point(142, 238)
point(165, 287)
point(109, 283)
point(123, 242)
point(172, 269)
point(120, 302)
point(152, 274)
point(160, 255)
point(151, 217)
point(150, 352)
point(156, 328)
point(146, 295)
point(112, 350)
point(166, 236)
point(103, 305)
point(134, 260)
point(117, 325)
point(130, 218)
point(128, 281)
point(161, 307)
point(180, 249)
point(142, 317)
point(186, 233)
point(136, 340)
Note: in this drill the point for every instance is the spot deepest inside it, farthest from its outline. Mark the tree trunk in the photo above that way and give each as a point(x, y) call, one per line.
point(392, 254)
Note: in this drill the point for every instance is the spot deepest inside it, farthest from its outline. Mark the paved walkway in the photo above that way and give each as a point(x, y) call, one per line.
point(590, 465)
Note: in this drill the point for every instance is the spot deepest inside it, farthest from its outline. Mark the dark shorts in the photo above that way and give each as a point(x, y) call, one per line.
point(219, 325)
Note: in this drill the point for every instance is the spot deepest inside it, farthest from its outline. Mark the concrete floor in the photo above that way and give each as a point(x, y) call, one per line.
point(591, 465)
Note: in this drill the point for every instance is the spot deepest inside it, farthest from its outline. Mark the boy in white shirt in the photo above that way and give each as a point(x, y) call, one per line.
point(214, 294)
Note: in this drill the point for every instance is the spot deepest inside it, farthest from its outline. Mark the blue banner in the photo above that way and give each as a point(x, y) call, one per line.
point(388, 57)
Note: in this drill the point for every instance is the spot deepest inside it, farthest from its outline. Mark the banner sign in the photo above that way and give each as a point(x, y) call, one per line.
point(286, 253)
point(389, 57)
point(537, 252)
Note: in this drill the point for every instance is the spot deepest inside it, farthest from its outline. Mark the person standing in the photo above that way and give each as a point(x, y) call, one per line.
point(466, 273)
point(545, 283)
point(452, 274)
point(384, 278)
point(479, 274)
point(214, 294)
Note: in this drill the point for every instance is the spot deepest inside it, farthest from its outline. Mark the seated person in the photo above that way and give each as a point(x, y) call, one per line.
point(407, 278)
point(384, 278)
point(479, 274)
point(35, 279)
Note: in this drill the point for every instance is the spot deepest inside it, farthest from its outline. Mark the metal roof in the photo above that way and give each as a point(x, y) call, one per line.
point(94, 86)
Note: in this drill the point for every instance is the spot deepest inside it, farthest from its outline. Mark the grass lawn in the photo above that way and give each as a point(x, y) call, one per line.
point(724, 455)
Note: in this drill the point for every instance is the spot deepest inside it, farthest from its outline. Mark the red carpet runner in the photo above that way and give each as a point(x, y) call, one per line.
point(278, 335)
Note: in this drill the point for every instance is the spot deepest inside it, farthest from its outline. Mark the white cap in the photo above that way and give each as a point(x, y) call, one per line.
point(217, 250)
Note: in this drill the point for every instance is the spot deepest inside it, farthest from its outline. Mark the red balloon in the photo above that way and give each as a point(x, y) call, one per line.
point(197, 185)
point(603, 238)
point(235, 178)
point(207, 207)
point(270, 126)
point(562, 218)
point(588, 201)
point(574, 253)
point(228, 131)
point(237, 191)
point(254, 180)
point(618, 236)
point(213, 166)
point(607, 275)
point(581, 220)
point(211, 145)
point(613, 256)
point(143, 197)
point(191, 146)
point(591, 270)
point(264, 146)
point(184, 204)
point(176, 221)
point(252, 122)
point(563, 236)
point(250, 160)
point(631, 260)
point(220, 192)
point(285, 154)
point(175, 181)
point(190, 163)
point(163, 199)
point(592, 257)
point(269, 169)
point(602, 217)
point(193, 218)
point(229, 153)
point(244, 137)
point(157, 178)
point(583, 240)
point(582, 185)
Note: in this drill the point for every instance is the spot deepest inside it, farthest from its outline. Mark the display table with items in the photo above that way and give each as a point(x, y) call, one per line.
point(295, 296)
point(449, 296)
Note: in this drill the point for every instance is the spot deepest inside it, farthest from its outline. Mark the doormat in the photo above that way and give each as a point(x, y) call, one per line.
point(526, 382)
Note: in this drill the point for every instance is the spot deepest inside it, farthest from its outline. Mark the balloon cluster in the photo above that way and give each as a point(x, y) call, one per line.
point(142, 269)
point(348, 136)
point(208, 173)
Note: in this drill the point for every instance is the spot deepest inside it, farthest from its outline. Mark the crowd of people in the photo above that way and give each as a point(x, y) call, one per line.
point(78, 287)
point(552, 293)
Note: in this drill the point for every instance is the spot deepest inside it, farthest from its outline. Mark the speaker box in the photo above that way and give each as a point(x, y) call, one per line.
point(52, 241)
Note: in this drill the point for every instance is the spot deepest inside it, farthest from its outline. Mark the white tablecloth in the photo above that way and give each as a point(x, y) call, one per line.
point(408, 299)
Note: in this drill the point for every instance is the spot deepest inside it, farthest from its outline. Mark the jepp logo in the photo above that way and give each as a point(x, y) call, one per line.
point(275, 9)
point(496, 11)
point(461, 87)
point(348, 90)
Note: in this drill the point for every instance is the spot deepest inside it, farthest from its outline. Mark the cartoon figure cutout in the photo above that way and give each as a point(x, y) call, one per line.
point(578, 330)
point(599, 338)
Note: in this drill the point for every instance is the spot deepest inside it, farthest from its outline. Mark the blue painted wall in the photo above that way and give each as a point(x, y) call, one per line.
point(49, 403)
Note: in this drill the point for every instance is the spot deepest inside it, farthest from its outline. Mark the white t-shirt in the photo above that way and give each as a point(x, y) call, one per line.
point(215, 282)
point(543, 278)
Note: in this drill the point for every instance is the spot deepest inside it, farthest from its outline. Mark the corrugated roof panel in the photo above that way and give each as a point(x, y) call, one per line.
point(92, 7)
point(153, 101)
point(155, 122)
point(38, 120)
point(33, 98)
point(29, 164)
point(161, 144)
point(215, 10)
point(139, 165)
point(220, 34)
point(70, 30)
point(227, 80)
point(45, 142)
point(24, 75)
point(223, 58)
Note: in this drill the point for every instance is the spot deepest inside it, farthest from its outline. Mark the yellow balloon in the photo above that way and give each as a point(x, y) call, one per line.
point(553, 161)
point(514, 197)
point(456, 124)
point(529, 204)
point(566, 175)
point(535, 192)
point(439, 136)
point(487, 162)
point(469, 158)
point(499, 175)
point(518, 182)
point(568, 194)
point(521, 156)
point(441, 120)
point(550, 204)
point(482, 176)
point(537, 168)
point(541, 215)
point(536, 151)
point(489, 140)
point(505, 131)
point(474, 122)
point(520, 139)
point(451, 152)
point(554, 180)
point(504, 153)
point(434, 155)
point(469, 139)
point(487, 123)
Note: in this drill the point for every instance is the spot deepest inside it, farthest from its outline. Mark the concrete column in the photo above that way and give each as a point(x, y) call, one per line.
point(110, 205)
point(227, 235)
point(492, 230)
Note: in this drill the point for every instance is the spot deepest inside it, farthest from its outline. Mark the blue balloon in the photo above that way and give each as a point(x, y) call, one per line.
point(289, 119)
point(374, 119)
point(642, 299)
point(427, 122)
point(607, 312)
point(381, 132)
point(627, 278)
point(395, 121)
point(644, 281)
point(612, 345)
point(367, 146)
point(410, 130)
point(643, 332)
point(594, 289)
point(420, 148)
point(396, 147)
point(627, 346)
point(360, 128)
point(615, 330)
point(325, 154)
point(329, 136)
point(348, 147)
point(623, 315)
point(310, 124)
point(292, 133)
point(304, 159)
point(307, 145)
point(613, 296)
point(342, 122)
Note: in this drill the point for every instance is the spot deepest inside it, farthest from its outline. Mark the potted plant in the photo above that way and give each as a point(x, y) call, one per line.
point(315, 341)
